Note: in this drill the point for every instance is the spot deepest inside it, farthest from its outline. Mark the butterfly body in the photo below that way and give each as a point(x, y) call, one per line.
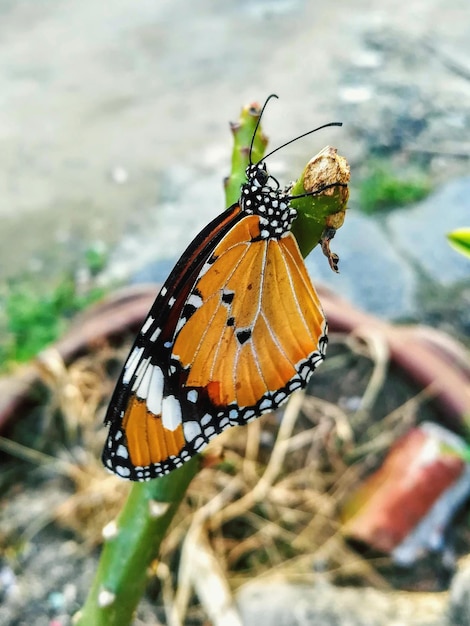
point(236, 328)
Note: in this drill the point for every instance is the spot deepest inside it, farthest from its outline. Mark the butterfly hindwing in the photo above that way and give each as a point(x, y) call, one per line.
point(137, 435)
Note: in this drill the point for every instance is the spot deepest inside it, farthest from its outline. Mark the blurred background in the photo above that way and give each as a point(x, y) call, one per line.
point(114, 135)
point(114, 143)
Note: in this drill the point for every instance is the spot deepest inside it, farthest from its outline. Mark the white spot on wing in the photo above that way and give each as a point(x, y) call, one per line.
point(171, 413)
point(265, 404)
point(192, 395)
point(122, 471)
point(191, 430)
point(206, 419)
point(140, 373)
point(204, 269)
point(148, 322)
point(131, 364)
point(143, 388)
point(155, 392)
point(122, 452)
point(155, 334)
point(199, 444)
point(180, 324)
point(194, 300)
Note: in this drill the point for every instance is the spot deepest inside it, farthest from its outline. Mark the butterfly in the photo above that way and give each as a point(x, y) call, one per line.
point(236, 328)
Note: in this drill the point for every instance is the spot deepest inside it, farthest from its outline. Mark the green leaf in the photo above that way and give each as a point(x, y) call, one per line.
point(460, 240)
point(132, 545)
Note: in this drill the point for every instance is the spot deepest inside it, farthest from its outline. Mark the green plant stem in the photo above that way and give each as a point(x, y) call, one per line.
point(127, 554)
point(242, 134)
point(312, 216)
point(122, 571)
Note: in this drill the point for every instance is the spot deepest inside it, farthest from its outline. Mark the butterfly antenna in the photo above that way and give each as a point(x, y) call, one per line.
point(299, 137)
point(317, 191)
point(273, 95)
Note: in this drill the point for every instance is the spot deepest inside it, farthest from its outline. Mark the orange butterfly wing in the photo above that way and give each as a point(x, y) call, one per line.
point(243, 350)
point(140, 441)
point(236, 328)
point(256, 335)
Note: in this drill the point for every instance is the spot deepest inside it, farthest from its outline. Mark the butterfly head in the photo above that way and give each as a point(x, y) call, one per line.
point(257, 175)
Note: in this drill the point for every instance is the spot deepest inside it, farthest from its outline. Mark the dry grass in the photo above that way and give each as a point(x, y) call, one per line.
point(271, 508)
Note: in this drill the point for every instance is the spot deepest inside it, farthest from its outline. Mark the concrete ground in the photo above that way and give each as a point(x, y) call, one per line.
point(109, 110)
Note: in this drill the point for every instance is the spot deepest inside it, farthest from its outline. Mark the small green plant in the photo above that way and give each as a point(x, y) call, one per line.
point(96, 258)
point(32, 319)
point(381, 189)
